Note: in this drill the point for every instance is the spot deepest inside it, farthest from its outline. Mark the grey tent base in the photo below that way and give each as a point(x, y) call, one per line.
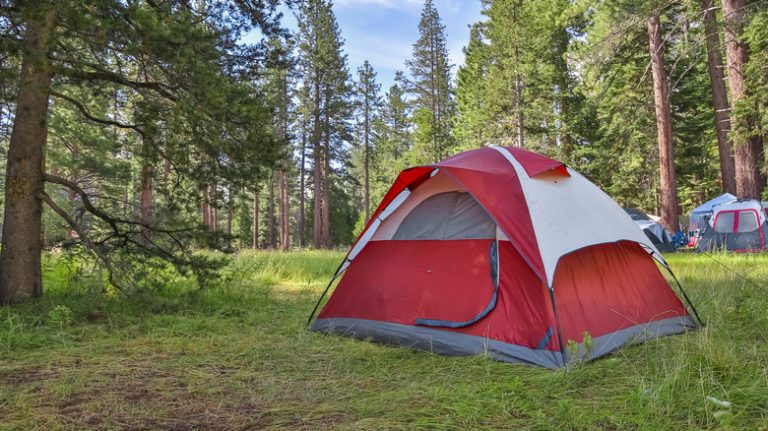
point(456, 344)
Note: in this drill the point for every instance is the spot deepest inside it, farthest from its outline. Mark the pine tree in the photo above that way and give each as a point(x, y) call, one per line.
point(163, 63)
point(668, 179)
point(748, 141)
point(517, 87)
point(393, 132)
point(433, 103)
point(324, 70)
point(368, 104)
point(719, 96)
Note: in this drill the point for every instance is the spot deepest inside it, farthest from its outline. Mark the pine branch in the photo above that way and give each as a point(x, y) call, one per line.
point(84, 111)
point(102, 74)
point(83, 237)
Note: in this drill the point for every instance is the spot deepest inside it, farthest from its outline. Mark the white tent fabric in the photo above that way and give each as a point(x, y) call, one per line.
point(750, 205)
point(556, 203)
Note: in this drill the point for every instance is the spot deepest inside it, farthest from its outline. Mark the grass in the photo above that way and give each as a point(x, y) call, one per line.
point(237, 356)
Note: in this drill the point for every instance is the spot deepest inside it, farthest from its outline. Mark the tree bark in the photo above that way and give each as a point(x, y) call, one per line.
point(300, 221)
point(748, 145)
point(271, 239)
point(668, 180)
point(326, 201)
point(719, 97)
point(20, 272)
point(204, 209)
point(520, 114)
point(366, 160)
point(145, 201)
point(285, 221)
point(255, 227)
point(317, 194)
point(230, 214)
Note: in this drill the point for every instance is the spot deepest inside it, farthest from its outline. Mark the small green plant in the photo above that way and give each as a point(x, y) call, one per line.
point(61, 316)
point(578, 353)
point(9, 331)
point(589, 344)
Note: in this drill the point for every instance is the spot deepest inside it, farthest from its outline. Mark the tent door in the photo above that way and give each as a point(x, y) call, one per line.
point(493, 261)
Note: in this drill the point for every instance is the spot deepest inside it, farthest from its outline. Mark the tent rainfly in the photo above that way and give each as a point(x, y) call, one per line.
point(706, 209)
point(739, 226)
point(504, 252)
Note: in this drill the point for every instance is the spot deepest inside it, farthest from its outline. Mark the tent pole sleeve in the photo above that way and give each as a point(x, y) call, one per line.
point(685, 296)
point(325, 292)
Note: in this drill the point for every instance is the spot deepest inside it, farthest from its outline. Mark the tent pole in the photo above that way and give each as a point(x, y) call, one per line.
point(685, 296)
point(325, 292)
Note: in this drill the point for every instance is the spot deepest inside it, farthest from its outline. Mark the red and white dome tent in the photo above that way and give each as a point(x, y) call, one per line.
point(505, 252)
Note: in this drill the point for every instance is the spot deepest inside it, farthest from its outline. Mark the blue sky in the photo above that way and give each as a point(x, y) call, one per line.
point(383, 31)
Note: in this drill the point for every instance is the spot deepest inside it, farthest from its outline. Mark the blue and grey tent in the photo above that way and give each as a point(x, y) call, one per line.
point(706, 210)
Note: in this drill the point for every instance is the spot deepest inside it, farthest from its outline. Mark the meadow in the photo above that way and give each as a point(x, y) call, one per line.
point(236, 356)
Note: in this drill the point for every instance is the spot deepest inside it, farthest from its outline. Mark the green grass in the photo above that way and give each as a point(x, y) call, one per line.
point(237, 356)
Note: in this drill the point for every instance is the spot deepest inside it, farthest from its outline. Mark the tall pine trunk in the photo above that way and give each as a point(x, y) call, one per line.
point(719, 97)
point(748, 146)
point(230, 214)
point(317, 154)
point(367, 156)
point(20, 273)
point(145, 200)
point(326, 201)
point(255, 227)
point(520, 114)
point(519, 89)
point(271, 213)
point(204, 209)
point(285, 221)
point(300, 220)
point(668, 181)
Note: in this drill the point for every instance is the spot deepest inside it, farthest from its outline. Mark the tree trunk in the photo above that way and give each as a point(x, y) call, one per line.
point(271, 213)
point(255, 228)
point(564, 114)
point(366, 157)
point(317, 194)
point(520, 115)
point(326, 201)
point(145, 201)
point(204, 209)
point(748, 145)
point(214, 209)
point(668, 181)
point(285, 221)
point(300, 221)
point(719, 97)
point(20, 272)
point(519, 90)
point(230, 214)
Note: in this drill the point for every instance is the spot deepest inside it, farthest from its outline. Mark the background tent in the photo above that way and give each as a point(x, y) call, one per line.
point(504, 252)
point(735, 226)
point(706, 209)
point(658, 234)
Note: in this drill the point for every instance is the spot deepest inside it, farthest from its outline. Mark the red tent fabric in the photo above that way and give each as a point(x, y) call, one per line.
point(466, 257)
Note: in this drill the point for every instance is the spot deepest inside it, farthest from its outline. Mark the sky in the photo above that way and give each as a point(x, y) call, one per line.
point(384, 31)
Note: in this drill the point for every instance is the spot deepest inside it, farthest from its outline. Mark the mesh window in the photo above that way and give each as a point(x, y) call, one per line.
point(451, 215)
point(724, 222)
point(747, 221)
